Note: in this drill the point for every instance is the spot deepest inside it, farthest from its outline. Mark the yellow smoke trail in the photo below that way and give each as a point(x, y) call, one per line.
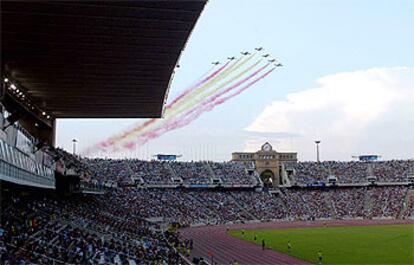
point(178, 108)
point(233, 67)
point(187, 105)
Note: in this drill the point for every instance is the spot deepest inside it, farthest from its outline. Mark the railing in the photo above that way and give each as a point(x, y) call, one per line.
point(86, 187)
point(12, 173)
point(19, 168)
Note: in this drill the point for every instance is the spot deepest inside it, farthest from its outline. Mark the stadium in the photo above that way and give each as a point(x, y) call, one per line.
point(84, 60)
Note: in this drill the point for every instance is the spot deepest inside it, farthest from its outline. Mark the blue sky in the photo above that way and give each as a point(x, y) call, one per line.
point(340, 40)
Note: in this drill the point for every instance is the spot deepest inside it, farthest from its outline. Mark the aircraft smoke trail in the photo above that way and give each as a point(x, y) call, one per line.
point(192, 103)
point(218, 75)
point(192, 99)
point(179, 123)
point(234, 67)
point(176, 99)
point(191, 88)
point(194, 113)
point(228, 89)
point(213, 89)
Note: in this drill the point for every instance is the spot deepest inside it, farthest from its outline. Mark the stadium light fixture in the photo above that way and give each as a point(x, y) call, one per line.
point(317, 142)
point(13, 86)
point(6, 80)
point(43, 113)
point(74, 141)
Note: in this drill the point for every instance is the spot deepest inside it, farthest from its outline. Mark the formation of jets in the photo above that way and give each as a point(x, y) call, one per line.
point(277, 64)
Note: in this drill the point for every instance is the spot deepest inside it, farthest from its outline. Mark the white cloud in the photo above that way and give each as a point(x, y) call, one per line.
point(366, 111)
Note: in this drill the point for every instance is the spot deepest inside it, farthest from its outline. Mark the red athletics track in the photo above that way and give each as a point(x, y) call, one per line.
point(227, 248)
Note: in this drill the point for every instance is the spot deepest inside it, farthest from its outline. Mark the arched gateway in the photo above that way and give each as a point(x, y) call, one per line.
point(267, 177)
point(268, 163)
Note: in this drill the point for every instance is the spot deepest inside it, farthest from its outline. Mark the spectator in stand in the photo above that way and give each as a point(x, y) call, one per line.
point(352, 172)
point(163, 173)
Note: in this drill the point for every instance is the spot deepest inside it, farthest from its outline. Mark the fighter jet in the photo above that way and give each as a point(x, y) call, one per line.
point(266, 55)
point(231, 58)
point(245, 53)
point(216, 63)
point(259, 49)
point(278, 65)
point(272, 61)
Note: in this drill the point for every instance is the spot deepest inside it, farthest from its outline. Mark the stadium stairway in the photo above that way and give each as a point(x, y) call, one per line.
point(209, 169)
point(248, 213)
point(308, 210)
point(257, 181)
point(327, 196)
point(212, 210)
point(368, 204)
point(410, 193)
point(171, 170)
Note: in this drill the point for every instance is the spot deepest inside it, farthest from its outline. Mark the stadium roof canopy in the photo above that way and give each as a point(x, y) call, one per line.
point(104, 59)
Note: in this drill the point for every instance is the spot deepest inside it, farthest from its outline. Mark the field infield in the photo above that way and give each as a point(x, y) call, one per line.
point(341, 242)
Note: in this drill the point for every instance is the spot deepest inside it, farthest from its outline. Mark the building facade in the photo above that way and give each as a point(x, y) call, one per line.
point(268, 163)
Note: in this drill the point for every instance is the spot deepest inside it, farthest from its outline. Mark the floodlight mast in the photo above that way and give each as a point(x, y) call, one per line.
point(74, 141)
point(317, 142)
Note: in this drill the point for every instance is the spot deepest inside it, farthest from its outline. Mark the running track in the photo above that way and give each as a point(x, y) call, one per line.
point(227, 248)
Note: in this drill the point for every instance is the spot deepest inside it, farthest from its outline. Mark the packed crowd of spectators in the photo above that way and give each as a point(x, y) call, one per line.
point(164, 173)
point(121, 226)
point(152, 172)
point(393, 170)
point(109, 169)
point(42, 230)
point(308, 204)
point(262, 205)
point(409, 207)
point(386, 201)
point(231, 172)
point(192, 172)
point(352, 172)
point(189, 206)
point(348, 203)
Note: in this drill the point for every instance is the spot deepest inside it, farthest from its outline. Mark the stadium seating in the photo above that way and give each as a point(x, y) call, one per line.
point(121, 227)
point(79, 231)
point(352, 172)
point(164, 173)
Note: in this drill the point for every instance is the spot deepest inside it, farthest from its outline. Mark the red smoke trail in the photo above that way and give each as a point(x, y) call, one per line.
point(192, 88)
point(228, 89)
point(110, 141)
point(212, 98)
point(179, 123)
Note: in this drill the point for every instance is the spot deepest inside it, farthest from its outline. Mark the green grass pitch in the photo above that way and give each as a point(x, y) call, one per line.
point(386, 244)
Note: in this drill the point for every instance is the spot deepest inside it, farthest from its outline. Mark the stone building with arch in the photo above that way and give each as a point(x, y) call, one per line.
point(267, 162)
